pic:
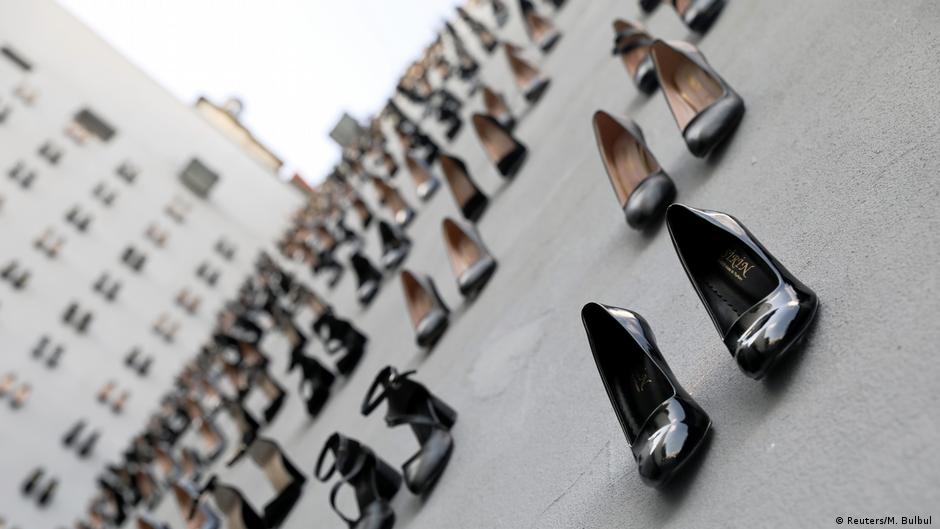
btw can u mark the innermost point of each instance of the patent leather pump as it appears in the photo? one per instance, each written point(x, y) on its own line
point(235, 508)
point(471, 262)
point(706, 109)
point(642, 187)
point(426, 309)
point(373, 480)
point(505, 151)
point(698, 15)
point(760, 310)
point(528, 78)
point(287, 481)
point(395, 245)
point(368, 277)
point(391, 198)
point(496, 106)
point(663, 424)
point(315, 383)
point(471, 201)
point(430, 419)
point(540, 30)
point(632, 44)
point(426, 184)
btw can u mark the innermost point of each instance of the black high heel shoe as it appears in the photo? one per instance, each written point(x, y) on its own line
point(389, 197)
point(632, 43)
point(528, 78)
point(288, 482)
point(706, 109)
point(471, 201)
point(540, 30)
point(341, 336)
point(504, 150)
point(426, 184)
point(643, 188)
point(663, 424)
point(236, 509)
point(496, 106)
point(430, 419)
point(315, 383)
point(759, 308)
point(698, 15)
point(488, 40)
point(247, 425)
point(395, 246)
point(368, 276)
point(471, 262)
point(374, 481)
point(426, 309)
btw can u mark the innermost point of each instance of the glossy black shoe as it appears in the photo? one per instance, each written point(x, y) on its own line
point(426, 184)
point(426, 309)
point(488, 40)
point(471, 262)
point(632, 44)
point(287, 481)
point(759, 308)
point(395, 245)
point(662, 423)
point(198, 514)
point(642, 187)
point(698, 15)
point(430, 419)
point(504, 150)
point(231, 503)
point(373, 480)
point(540, 30)
point(648, 6)
point(471, 201)
point(706, 109)
point(368, 277)
point(315, 383)
point(528, 78)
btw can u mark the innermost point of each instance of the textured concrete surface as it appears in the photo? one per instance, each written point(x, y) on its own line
point(834, 168)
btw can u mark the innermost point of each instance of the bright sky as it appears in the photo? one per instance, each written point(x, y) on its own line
point(296, 64)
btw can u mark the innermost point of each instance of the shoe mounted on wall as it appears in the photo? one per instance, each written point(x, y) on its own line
point(642, 187)
point(632, 44)
point(759, 308)
point(663, 425)
point(706, 109)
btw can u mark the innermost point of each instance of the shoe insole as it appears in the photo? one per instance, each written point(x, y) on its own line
point(733, 279)
point(690, 90)
point(633, 58)
point(418, 300)
point(497, 143)
point(630, 164)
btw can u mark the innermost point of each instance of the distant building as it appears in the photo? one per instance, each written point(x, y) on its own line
point(116, 200)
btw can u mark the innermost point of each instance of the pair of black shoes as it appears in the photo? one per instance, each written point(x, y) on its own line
point(375, 481)
point(760, 310)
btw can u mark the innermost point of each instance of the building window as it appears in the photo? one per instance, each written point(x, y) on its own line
point(198, 178)
point(87, 124)
point(16, 58)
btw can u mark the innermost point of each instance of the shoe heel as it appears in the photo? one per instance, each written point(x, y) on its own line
point(387, 479)
point(445, 413)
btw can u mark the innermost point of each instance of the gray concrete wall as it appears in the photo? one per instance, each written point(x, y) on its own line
point(75, 69)
point(834, 168)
